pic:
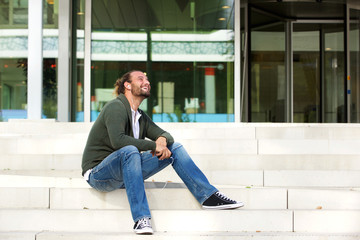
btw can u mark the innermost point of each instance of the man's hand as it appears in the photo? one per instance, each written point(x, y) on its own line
point(161, 151)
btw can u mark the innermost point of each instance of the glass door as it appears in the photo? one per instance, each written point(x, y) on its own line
point(334, 106)
point(318, 68)
point(298, 62)
point(306, 73)
point(267, 74)
point(354, 41)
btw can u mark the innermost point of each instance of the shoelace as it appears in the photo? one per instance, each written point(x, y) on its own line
point(222, 196)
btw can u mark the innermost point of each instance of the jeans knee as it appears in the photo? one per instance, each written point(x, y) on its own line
point(129, 149)
point(175, 146)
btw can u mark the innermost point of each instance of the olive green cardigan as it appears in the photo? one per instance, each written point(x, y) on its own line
point(112, 130)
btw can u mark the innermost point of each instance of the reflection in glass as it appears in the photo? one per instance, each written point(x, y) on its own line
point(186, 49)
point(13, 59)
point(77, 110)
point(268, 81)
point(334, 95)
point(306, 83)
point(12, 88)
point(50, 54)
point(354, 64)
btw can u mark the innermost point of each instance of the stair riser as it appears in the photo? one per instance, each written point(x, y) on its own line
point(75, 143)
point(174, 236)
point(121, 221)
point(246, 220)
point(168, 198)
point(204, 161)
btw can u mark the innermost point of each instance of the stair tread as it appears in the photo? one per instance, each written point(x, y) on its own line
point(176, 235)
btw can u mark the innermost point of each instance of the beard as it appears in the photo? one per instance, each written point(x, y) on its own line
point(140, 92)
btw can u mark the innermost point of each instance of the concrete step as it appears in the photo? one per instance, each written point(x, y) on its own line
point(200, 130)
point(40, 161)
point(346, 199)
point(43, 144)
point(43, 126)
point(307, 221)
point(253, 198)
point(311, 178)
point(175, 236)
point(75, 143)
point(163, 220)
point(249, 178)
point(309, 146)
point(168, 198)
point(163, 196)
point(50, 137)
point(207, 161)
point(23, 181)
point(158, 198)
point(20, 235)
point(73, 178)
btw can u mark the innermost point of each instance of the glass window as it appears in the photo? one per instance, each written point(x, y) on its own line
point(77, 113)
point(354, 64)
point(244, 62)
point(50, 55)
point(334, 63)
point(306, 83)
point(186, 48)
point(13, 59)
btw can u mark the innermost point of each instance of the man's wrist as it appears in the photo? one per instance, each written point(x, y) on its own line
point(161, 140)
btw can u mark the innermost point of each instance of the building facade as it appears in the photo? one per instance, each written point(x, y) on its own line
point(294, 61)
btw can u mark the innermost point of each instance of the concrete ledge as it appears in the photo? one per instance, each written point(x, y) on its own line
point(73, 178)
point(335, 199)
point(298, 178)
point(18, 235)
point(24, 198)
point(195, 236)
point(15, 181)
point(41, 161)
point(162, 199)
point(276, 146)
point(121, 221)
point(226, 177)
point(204, 161)
point(329, 221)
point(233, 146)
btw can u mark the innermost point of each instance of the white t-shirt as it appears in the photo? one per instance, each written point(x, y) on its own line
point(135, 123)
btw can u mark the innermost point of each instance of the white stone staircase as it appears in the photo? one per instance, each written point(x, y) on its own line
point(298, 181)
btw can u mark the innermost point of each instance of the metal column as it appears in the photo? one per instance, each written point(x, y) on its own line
point(87, 63)
point(64, 61)
point(237, 64)
point(35, 60)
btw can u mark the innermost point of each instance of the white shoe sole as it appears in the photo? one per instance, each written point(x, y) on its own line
point(227, 206)
point(144, 231)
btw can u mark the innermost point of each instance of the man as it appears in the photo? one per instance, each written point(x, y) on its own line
point(118, 156)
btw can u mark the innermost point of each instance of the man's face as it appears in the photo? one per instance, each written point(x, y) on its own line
point(140, 85)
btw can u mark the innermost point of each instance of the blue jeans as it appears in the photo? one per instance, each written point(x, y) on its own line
point(127, 168)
